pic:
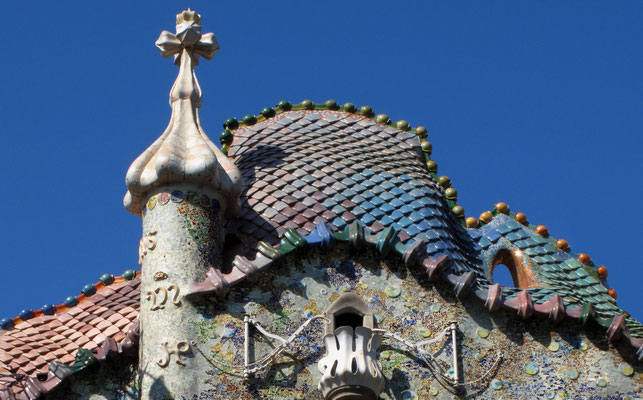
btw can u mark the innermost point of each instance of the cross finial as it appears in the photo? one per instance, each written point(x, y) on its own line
point(186, 46)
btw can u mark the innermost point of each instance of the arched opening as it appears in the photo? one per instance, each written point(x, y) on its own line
point(502, 275)
point(508, 270)
point(348, 310)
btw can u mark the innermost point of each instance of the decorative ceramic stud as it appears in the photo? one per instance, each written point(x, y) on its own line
point(486, 217)
point(521, 218)
point(502, 208)
point(542, 231)
point(562, 244)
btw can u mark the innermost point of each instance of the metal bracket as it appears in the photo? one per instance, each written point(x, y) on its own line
point(250, 367)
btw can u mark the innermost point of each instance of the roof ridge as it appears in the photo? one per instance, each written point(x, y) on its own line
point(386, 242)
point(444, 182)
point(71, 301)
point(596, 271)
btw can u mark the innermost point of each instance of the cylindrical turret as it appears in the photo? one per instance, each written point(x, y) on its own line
point(183, 187)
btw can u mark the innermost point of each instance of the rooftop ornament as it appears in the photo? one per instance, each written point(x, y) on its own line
point(183, 155)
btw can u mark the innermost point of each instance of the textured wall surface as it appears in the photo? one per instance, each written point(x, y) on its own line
point(538, 358)
point(184, 236)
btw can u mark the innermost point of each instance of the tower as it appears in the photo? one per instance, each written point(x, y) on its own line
point(183, 187)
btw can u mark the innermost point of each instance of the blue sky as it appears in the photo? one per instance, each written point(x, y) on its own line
point(536, 104)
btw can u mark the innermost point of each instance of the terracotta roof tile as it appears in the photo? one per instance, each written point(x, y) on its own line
point(32, 345)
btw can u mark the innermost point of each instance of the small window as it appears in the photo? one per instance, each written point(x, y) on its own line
point(508, 270)
point(349, 319)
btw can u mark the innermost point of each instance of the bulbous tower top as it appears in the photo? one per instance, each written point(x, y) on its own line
point(183, 156)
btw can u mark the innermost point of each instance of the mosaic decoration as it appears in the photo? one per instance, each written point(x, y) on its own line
point(305, 283)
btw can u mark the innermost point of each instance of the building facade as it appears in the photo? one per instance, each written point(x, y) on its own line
point(318, 254)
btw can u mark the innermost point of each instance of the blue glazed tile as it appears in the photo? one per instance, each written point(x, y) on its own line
point(338, 209)
point(404, 222)
point(338, 198)
point(406, 187)
point(387, 196)
point(377, 201)
point(396, 191)
point(348, 182)
point(412, 230)
point(359, 188)
point(522, 234)
point(434, 223)
point(511, 236)
point(521, 244)
point(503, 229)
point(377, 213)
point(358, 199)
point(416, 193)
point(387, 185)
point(339, 223)
point(367, 205)
point(484, 242)
point(428, 201)
point(432, 235)
point(427, 212)
point(405, 209)
point(396, 215)
point(539, 239)
point(474, 234)
point(415, 216)
point(416, 205)
point(386, 220)
point(423, 226)
point(513, 225)
point(440, 245)
point(397, 203)
point(328, 203)
point(530, 242)
point(367, 219)
point(387, 208)
point(349, 193)
point(358, 211)
point(368, 184)
point(530, 252)
point(431, 248)
point(493, 235)
point(407, 198)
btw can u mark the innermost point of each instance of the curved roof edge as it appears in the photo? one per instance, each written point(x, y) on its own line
point(71, 301)
point(387, 242)
point(232, 124)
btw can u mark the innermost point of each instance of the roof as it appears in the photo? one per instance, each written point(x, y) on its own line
point(316, 175)
point(35, 347)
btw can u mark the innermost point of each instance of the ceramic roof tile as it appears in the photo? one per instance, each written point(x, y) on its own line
point(378, 176)
point(30, 346)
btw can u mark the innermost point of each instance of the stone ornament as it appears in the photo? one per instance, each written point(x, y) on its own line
point(181, 347)
point(148, 242)
point(183, 154)
point(351, 366)
point(151, 296)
